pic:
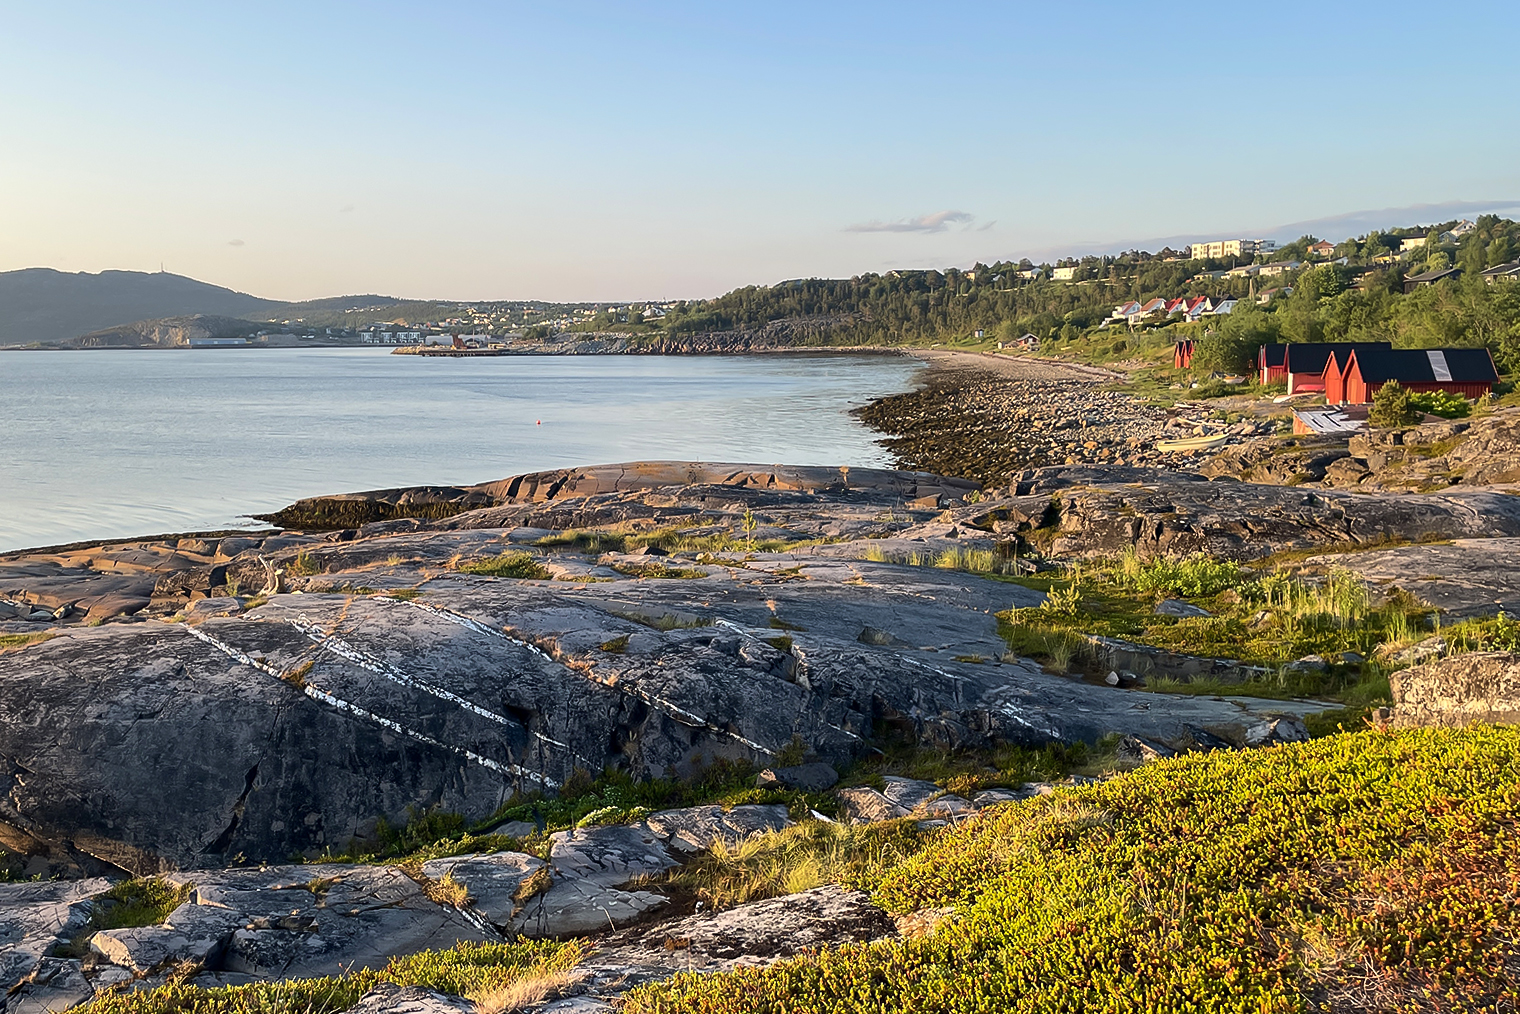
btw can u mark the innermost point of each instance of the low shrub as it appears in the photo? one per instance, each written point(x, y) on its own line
point(522, 566)
point(1363, 871)
point(1442, 403)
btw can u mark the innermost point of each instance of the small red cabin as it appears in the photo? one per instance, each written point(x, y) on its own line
point(1182, 354)
point(1468, 372)
point(1305, 363)
point(1269, 363)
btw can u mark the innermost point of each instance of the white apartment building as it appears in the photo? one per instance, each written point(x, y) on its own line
point(1221, 248)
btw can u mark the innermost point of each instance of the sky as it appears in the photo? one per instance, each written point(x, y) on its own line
point(619, 151)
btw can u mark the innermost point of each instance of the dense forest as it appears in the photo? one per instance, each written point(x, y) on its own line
point(1360, 299)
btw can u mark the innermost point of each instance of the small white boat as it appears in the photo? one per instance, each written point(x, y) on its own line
point(1191, 444)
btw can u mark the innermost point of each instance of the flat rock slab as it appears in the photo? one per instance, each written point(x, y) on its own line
point(694, 829)
point(388, 998)
point(611, 855)
point(36, 915)
point(1467, 577)
point(752, 935)
point(292, 921)
point(495, 882)
point(292, 728)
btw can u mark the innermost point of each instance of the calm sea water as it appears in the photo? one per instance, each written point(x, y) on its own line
point(107, 444)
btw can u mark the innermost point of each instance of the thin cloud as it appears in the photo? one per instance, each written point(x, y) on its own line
point(234, 242)
point(937, 221)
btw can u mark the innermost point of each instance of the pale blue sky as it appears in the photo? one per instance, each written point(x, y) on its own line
point(618, 151)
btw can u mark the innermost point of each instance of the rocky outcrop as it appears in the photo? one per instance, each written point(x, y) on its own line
point(1103, 511)
point(383, 679)
point(1462, 578)
point(1458, 690)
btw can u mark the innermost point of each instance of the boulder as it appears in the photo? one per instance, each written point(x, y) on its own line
point(1276, 730)
point(389, 998)
point(760, 932)
point(910, 793)
point(694, 829)
point(55, 984)
point(1477, 687)
point(611, 855)
point(1177, 607)
point(863, 805)
point(997, 797)
point(573, 906)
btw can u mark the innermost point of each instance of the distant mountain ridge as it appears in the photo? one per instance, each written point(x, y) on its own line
point(47, 305)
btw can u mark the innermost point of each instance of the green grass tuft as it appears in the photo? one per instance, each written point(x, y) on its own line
point(518, 565)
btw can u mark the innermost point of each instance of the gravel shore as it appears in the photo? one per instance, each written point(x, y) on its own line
point(987, 417)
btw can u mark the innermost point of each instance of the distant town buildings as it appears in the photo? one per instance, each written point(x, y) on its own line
point(1222, 248)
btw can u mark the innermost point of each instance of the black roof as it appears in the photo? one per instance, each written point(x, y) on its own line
point(1311, 357)
point(1272, 355)
point(1415, 366)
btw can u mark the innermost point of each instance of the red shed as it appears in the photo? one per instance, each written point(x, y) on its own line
point(1182, 354)
point(1304, 363)
point(1269, 362)
point(1335, 378)
point(1468, 372)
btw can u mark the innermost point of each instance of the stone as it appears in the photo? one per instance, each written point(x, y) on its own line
point(1415, 654)
point(515, 829)
point(694, 829)
point(863, 805)
point(871, 635)
point(1458, 690)
point(1309, 663)
point(35, 916)
point(814, 777)
point(222, 606)
point(1276, 730)
point(1112, 679)
point(574, 906)
point(389, 998)
point(495, 882)
point(611, 855)
point(55, 984)
point(996, 797)
point(1177, 607)
point(910, 793)
point(949, 806)
point(1134, 750)
point(752, 935)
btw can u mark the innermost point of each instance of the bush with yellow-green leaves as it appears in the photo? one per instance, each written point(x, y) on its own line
point(1362, 871)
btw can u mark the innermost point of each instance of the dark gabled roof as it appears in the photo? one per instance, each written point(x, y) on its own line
point(1419, 366)
point(1311, 357)
point(1271, 356)
point(1507, 268)
point(1433, 275)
